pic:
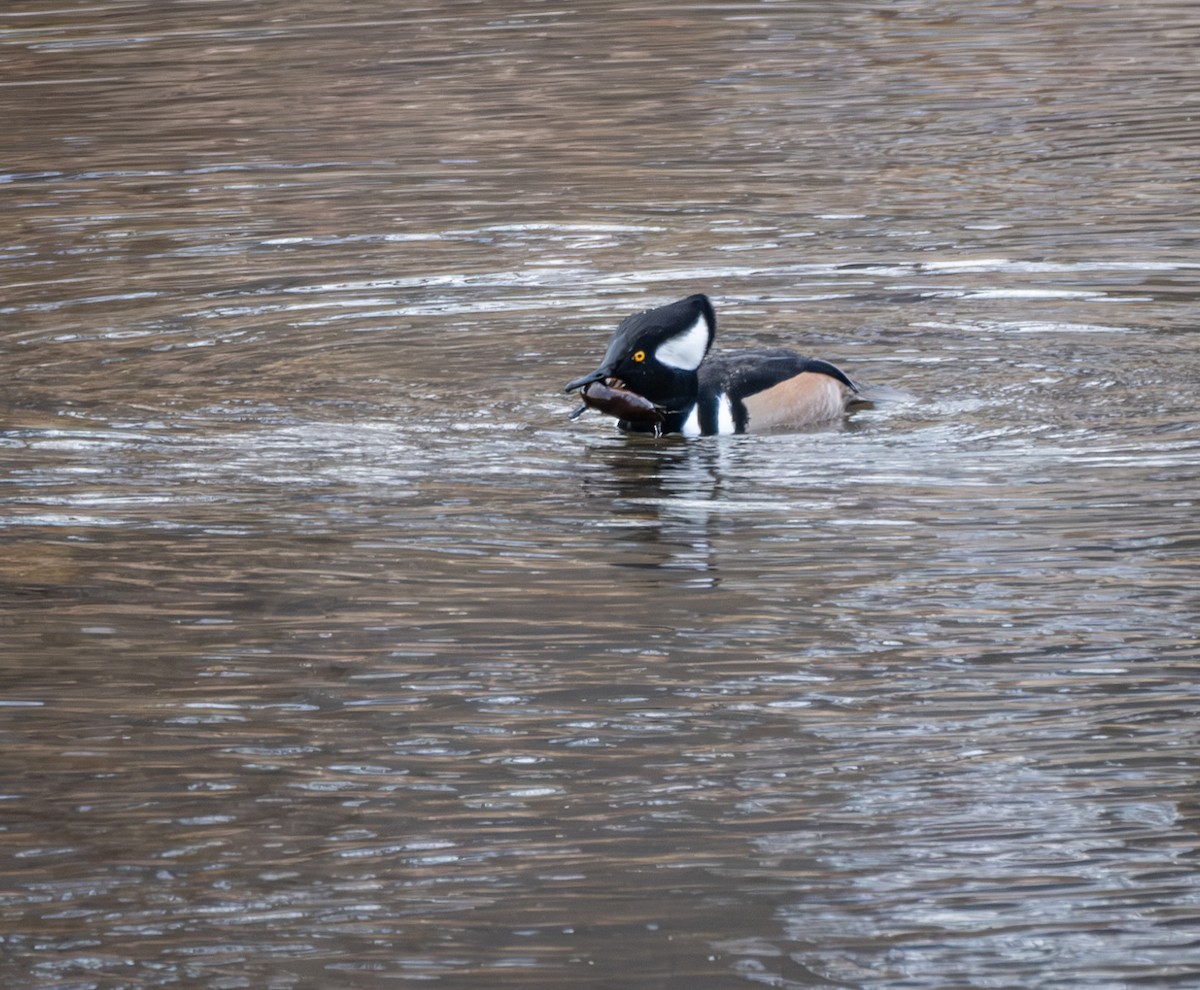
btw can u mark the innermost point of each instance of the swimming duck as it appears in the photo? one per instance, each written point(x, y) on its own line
point(658, 376)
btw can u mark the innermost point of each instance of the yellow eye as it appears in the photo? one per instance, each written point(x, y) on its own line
point(639, 356)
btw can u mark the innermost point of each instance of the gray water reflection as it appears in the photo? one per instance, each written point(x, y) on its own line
point(334, 655)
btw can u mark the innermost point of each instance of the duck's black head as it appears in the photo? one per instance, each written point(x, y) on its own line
point(656, 353)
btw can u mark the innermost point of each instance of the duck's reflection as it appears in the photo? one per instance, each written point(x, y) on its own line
point(664, 498)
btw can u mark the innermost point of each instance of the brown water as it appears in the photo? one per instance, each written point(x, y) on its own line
point(333, 655)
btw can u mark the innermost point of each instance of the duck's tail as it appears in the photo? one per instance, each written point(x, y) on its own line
point(871, 395)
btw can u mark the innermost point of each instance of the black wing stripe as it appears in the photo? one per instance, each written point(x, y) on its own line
point(744, 373)
point(832, 370)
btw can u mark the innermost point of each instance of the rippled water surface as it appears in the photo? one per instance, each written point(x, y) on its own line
point(332, 654)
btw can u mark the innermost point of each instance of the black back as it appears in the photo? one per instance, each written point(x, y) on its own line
point(742, 373)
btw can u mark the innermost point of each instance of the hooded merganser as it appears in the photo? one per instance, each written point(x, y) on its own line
point(658, 377)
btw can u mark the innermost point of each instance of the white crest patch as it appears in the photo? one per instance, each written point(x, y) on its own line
point(686, 349)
